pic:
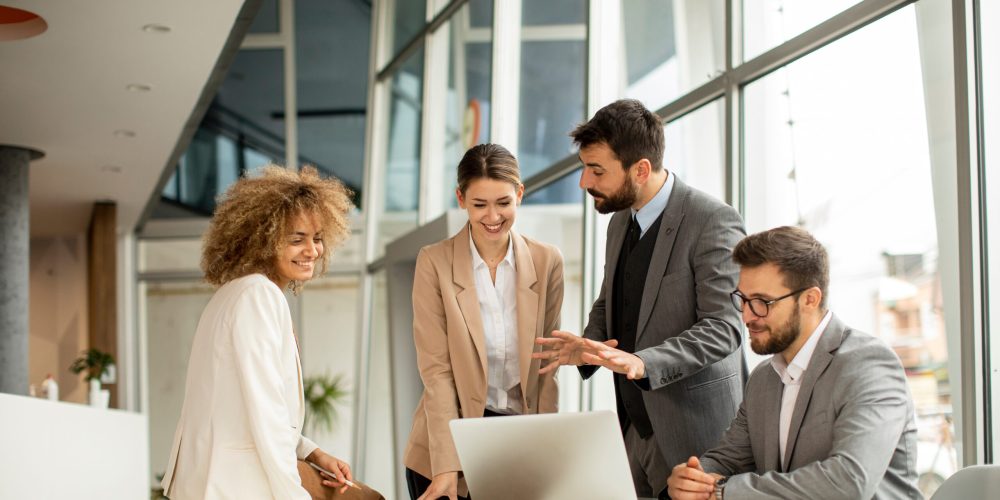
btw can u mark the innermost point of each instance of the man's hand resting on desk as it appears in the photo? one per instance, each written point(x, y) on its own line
point(688, 481)
point(444, 484)
point(565, 348)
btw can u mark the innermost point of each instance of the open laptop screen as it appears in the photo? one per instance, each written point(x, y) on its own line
point(542, 457)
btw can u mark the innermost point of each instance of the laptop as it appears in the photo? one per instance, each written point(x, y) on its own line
point(544, 457)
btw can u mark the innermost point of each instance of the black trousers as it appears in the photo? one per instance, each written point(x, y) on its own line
point(417, 484)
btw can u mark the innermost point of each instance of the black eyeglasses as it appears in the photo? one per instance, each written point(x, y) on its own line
point(759, 307)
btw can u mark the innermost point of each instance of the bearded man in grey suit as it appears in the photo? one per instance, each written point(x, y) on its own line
point(662, 321)
point(829, 416)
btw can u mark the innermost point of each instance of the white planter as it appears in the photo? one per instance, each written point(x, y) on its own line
point(99, 398)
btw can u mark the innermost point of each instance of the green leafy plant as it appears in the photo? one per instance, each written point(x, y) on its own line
point(323, 393)
point(94, 361)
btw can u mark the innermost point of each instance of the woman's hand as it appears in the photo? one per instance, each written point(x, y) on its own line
point(444, 484)
point(338, 467)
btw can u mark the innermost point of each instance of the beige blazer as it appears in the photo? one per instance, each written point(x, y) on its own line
point(239, 435)
point(450, 343)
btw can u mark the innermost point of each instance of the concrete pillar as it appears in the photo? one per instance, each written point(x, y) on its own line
point(14, 237)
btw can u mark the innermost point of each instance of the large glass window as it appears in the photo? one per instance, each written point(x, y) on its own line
point(470, 72)
point(332, 85)
point(668, 48)
point(560, 223)
point(693, 149)
point(553, 63)
point(838, 143)
point(552, 12)
point(238, 133)
point(328, 341)
point(266, 20)
point(402, 169)
point(769, 23)
point(989, 32)
point(408, 17)
point(380, 467)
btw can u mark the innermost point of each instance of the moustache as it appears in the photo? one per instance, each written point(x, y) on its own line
point(595, 193)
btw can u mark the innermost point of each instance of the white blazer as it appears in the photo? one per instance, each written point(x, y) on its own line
point(239, 435)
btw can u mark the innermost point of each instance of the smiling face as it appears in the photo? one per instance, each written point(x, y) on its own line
point(782, 326)
point(300, 251)
point(492, 207)
point(606, 180)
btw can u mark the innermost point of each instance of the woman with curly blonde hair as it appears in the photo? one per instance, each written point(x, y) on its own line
point(239, 434)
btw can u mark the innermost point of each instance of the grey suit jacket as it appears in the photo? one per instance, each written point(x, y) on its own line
point(688, 332)
point(852, 433)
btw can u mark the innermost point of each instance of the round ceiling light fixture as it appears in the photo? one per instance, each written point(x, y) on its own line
point(124, 133)
point(111, 169)
point(138, 87)
point(17, 24)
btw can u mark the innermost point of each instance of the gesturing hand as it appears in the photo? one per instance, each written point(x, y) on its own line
point(565, 348)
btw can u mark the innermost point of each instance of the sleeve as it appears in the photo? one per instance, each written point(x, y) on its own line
point(733, 455)
point(256, 338)
point(430, 336)
point(548, 398)
point(716, 333)
point(874, 398)
point(305, 448)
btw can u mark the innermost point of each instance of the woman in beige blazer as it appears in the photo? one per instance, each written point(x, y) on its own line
point(239, 434)
point(480, 299)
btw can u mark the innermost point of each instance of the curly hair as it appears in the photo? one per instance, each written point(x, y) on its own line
point(252, 220)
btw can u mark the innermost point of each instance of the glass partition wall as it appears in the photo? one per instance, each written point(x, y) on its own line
point(838, 118)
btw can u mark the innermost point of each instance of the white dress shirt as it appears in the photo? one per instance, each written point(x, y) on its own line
point(498, 309)
point(791, 376)
point(649, 212)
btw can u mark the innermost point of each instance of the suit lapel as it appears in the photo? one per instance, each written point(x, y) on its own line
point(468, 301)
point(616, 237)
point(673, 215)
point(528, 317)
point(831, 338)
point(772, 417)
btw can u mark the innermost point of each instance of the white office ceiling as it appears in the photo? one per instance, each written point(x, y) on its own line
point(67, 93)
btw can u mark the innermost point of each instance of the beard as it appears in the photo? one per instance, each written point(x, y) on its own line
point(779, 339)
point(623, 198)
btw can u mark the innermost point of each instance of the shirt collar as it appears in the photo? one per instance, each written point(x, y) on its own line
point(647, 215)
point(477, 260)
point(791, 373)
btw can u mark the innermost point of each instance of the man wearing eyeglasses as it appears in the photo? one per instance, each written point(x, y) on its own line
point(829, 415)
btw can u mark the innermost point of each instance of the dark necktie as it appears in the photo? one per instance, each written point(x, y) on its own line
point(633, 233)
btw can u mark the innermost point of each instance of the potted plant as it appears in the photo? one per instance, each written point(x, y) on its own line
point(322, 395)
point(96, 363)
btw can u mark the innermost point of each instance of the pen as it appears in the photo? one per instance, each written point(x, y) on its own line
point(330, 474)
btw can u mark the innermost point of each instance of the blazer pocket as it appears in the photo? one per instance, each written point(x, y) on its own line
point(710, 383)
point(670, 278)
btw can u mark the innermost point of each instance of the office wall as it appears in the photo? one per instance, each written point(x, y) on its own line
point(58, 312)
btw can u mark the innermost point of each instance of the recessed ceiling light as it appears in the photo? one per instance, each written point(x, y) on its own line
point(124, 133)
point(138, 87)
point(156, 28)
point(111, 169)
